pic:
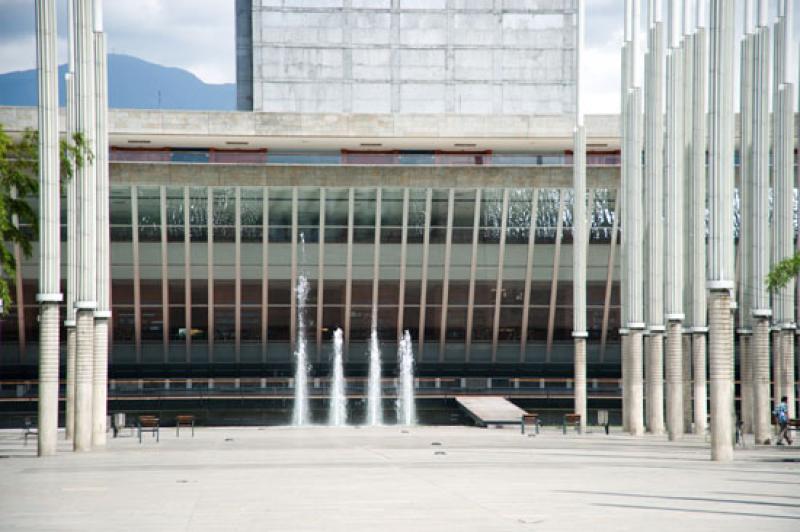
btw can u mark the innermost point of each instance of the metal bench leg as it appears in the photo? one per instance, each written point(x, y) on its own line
point(140, 434)
point(192, 429)
point(158, 435)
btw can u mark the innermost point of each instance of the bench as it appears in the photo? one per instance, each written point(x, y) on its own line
point(572, 419)
point(530, 420)
point(185, 420)
point(149, 424)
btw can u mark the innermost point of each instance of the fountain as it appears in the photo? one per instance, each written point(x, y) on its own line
point(301, 415)
point(374, 406)
point(338, 405)
point(406, 411)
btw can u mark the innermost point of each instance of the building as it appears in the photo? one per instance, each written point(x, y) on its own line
point(431, 194)
point(407, 56)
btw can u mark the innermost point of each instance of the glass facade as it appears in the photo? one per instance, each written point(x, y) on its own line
point(477, 275)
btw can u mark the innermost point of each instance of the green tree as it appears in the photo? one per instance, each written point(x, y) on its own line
point(783, 272)
point(19, 180)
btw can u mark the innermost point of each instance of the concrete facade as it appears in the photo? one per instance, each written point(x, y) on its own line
point(409, 56)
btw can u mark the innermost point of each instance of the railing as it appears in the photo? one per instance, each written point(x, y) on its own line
point(426, 387)
point(250, 157)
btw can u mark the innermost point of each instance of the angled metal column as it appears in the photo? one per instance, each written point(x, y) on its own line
point(321, 271)
point(49, 295)
point(187, 269)
point(448, 245)
point(720, 264)
point(759, 194)
point(102, 315)
point(526, 298)
point(86, 298)
point(697, 229)
point(265, 273)
point(654, 197)
point(426, 252)
point(579, 230)
point(551, 313)
point(72, 221)
point(348, 284)
point(162, 201)
point(294, 272)
point(673, 363)
point(473, 269)
point(401, 295)
point(612, 253)
point(498, 288)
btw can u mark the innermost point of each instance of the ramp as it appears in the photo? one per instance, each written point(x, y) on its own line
point(491, 410)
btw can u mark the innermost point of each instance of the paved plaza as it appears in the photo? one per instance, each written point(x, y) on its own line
point(388, 478)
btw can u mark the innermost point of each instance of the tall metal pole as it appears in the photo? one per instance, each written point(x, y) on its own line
point(759, 193)
point(745, 330)
point(49, 295)
point(72, 220)
point(86, 299)
point(580, 229)
point(635, 253)
point(697, 231)
point(654, 191)
point(675, 153)
point(720, 264)
point(102, 315)
point(622, 203)
point(783, 210)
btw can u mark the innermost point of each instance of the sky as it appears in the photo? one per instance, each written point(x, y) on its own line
point(198, 35)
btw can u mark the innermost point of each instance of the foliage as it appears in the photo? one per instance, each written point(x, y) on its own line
point(783, 272)
point(19, 171)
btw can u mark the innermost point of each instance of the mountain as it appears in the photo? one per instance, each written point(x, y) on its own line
point(133, 84)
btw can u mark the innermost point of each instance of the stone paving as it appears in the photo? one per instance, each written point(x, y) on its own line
point(388, 478)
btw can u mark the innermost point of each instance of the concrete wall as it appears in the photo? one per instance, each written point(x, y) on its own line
point(414, 56)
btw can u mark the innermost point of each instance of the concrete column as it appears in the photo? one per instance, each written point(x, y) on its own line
point(762, 418)
point(700, 378)
point(102, 315)
point(720, 270)
point(788, 369)
point(777, 364)
point(654, 197)
point(746, 380)
point(49, 294)
point(86, 300)
point(625, 363)
point(673, 374)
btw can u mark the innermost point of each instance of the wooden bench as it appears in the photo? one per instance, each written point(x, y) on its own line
point(149, 424)
point(530, 420)
point(572, 419)
point(185, 420)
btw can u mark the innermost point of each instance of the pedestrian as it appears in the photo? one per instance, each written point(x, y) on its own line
point(782, 416)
